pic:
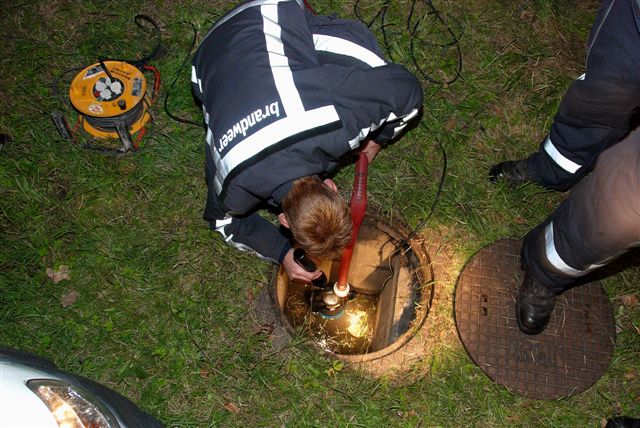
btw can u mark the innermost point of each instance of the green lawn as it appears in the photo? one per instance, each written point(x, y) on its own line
point(163, 310)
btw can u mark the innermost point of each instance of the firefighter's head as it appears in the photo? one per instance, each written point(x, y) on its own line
point(317, 216)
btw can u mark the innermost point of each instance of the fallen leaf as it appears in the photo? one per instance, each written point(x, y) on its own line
point(630, 375)
point(126, 169)
point(630, 300)
point(450, 124)
point(69, 299)
point(58, 275)
point(232, 408)
point(526, 15)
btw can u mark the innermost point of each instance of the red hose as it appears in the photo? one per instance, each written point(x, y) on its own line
point(306, 3)
point(358, 206)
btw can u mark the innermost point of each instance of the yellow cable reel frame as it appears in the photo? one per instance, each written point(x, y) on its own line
point(101, 97)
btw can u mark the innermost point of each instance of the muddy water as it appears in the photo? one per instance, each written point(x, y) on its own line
point(348, 332)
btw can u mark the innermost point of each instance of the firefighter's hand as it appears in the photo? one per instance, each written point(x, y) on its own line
point(296, 272)
point(371, 149)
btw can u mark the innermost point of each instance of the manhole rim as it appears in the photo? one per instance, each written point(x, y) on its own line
point(423, 270)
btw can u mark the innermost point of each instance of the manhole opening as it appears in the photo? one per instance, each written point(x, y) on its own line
point(394, 287)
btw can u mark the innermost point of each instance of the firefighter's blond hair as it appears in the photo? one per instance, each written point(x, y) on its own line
point(318, 218)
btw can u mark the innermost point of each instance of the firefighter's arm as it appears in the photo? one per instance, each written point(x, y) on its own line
point(254, 234)
point(371, 149)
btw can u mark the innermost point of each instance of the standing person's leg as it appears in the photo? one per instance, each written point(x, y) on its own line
point(597, 109)
point(597, 222)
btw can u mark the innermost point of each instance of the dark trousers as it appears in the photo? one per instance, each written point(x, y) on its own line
point(598, 221)
point(599, 107)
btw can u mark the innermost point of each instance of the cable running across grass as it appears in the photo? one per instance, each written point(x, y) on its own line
point(175, 79)
point(415, 26)
point(415, 29)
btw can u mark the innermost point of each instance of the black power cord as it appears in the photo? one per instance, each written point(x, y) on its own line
point(436, 199)
point(138, 19)
point(413, 31)
point(175, 79)
point(414, 28)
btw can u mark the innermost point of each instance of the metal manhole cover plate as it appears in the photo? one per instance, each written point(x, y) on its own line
point(569, 356)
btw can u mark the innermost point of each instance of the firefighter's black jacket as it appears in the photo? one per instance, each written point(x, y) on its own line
point(286, 94)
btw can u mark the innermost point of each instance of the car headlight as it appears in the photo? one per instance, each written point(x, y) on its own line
point(72, 406)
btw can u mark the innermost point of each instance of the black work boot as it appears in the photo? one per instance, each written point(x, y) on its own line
point(534, 305)
point(513, 172)
point(623, 422)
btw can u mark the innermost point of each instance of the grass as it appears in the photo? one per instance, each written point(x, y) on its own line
point(163, 310)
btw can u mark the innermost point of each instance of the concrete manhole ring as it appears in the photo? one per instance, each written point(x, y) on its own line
point(395, 277)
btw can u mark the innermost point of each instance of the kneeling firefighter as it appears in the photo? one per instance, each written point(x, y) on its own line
point(287, 96)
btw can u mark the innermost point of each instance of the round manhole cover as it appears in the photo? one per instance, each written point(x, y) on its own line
point(569, 356)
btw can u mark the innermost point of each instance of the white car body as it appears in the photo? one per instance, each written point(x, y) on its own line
point(34, 393)
point(19, 406)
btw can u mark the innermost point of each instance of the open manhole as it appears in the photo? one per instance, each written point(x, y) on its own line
point(393, 280)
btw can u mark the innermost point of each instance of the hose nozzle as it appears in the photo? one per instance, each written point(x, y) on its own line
point(341, 290)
